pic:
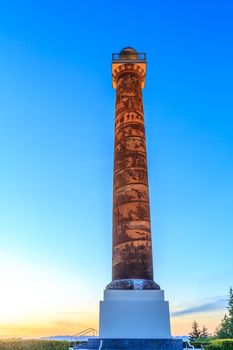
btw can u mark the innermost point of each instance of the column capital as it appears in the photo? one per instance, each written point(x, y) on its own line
point(128, 61)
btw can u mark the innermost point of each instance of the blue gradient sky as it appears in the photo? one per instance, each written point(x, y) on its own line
point(56, 157)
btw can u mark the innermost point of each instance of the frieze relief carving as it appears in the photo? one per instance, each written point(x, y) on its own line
point(124, 118)
point(132, 254)
point(131, 193)
point(131, 231)
point(129, 94)
point(131, 144)
point(137, 251)
point(129, 160)
point(133, 211)
point(131, 216)
point(129, 130)
point(130, 176)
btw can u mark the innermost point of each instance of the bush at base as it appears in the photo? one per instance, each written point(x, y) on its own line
point(199, 344)
point(220, 344)
point(33, 345)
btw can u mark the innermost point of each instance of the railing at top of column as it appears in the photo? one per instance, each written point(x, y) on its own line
point(124, 57)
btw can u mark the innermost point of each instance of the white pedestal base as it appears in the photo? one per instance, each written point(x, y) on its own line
point(134, 314)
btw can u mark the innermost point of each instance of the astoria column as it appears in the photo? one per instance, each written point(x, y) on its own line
point(133, 313)
point(132, 264)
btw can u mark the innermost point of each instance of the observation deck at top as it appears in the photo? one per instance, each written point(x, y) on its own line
point(128, 55)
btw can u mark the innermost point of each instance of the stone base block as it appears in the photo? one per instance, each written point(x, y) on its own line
point(134, 344)
point(134, 314)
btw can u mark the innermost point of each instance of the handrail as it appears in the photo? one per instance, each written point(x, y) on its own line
point(85, 331)
point(131, 56)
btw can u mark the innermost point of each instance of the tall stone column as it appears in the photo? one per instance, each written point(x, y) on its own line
point(132, 265)
point(133, 313)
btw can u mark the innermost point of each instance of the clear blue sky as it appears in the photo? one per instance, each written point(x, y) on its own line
point(56, 156)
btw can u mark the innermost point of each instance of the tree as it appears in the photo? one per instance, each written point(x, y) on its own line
point(225, 330)
point(230, 303)
point(196, 332)
point(204, 332)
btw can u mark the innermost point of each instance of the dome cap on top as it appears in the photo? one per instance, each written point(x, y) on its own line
point(128, 53)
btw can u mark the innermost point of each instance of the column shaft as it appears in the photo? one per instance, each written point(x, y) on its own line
point(132, 250)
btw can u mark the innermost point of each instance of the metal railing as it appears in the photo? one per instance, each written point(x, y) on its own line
point(86, 331)
point(82, 333)
point(131, 56)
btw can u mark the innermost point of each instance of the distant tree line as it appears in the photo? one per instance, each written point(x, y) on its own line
point(224, 330)
point(222, 339)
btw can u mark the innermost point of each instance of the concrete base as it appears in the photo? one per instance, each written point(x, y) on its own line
point(134, 314)
point(133, 344)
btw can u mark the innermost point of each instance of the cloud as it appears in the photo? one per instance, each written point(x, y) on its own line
point(213, 304)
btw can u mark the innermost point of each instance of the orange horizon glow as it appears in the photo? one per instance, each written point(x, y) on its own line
point(72, 323)
point(50, 305)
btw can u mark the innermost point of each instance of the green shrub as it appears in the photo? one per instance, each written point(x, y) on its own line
point(19, 344)
point(197, 344)
point(220, 344)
